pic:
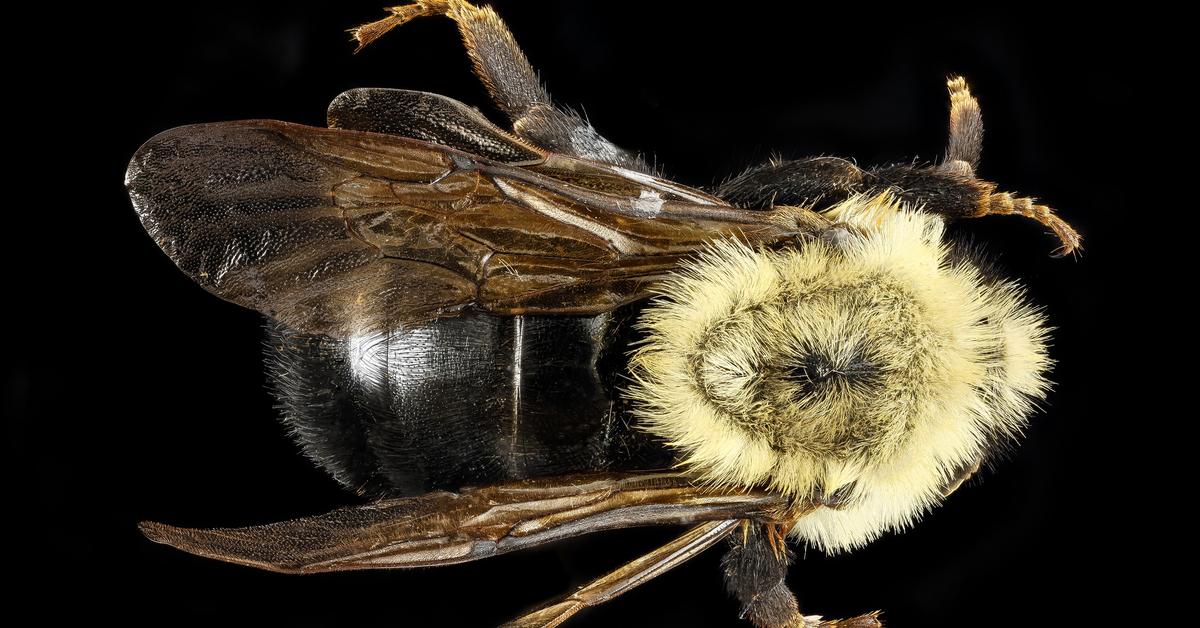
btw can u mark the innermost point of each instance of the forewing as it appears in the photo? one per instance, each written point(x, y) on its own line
point(250, 211)
point(431, 118)
point(448, 528)
point(340, 232)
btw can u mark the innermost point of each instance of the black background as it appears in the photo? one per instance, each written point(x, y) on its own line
point(132, 394)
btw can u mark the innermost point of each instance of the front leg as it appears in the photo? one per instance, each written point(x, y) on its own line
point(950, 188)
point(756, 574)
point(817, 183)
point(510, 80)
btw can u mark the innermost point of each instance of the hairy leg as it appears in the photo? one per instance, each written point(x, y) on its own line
point(510, 80)
point(755, 573)
point(950, 189)
point(816, 182)
point(966, 129)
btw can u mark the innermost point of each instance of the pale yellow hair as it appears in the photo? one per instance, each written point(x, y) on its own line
point(935, 361)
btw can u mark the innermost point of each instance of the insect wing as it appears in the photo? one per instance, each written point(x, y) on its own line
point(342, 232)
point(253, 212)
point(431, 118)
point(447, 528)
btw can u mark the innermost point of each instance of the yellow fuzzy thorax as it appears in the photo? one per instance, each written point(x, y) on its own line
point(872, 367)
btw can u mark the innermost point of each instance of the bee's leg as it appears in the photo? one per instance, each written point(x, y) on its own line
point(821, 182)
point(951, 193)
point(755, 573)
point(972, 197)
point(510, 80)
point(630, 575)
point(966, 129)
point(817, 183)
point(950, 188)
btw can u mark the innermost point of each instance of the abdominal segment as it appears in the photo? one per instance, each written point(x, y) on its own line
point(473, 399)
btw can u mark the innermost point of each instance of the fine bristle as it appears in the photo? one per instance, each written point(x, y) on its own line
point(866, 372)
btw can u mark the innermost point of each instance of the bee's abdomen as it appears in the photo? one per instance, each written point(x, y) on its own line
point(467, 400)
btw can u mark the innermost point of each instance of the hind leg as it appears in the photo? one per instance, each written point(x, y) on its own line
point(510, 80)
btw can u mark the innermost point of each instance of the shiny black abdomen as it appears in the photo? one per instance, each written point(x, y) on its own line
point(473, 399)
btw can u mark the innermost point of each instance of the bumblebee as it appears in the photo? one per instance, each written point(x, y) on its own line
point(798, 353)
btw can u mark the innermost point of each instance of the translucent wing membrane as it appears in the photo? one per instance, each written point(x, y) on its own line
point(340, 232)
point(429, 117)
point(250, 211)
point(447, 528)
